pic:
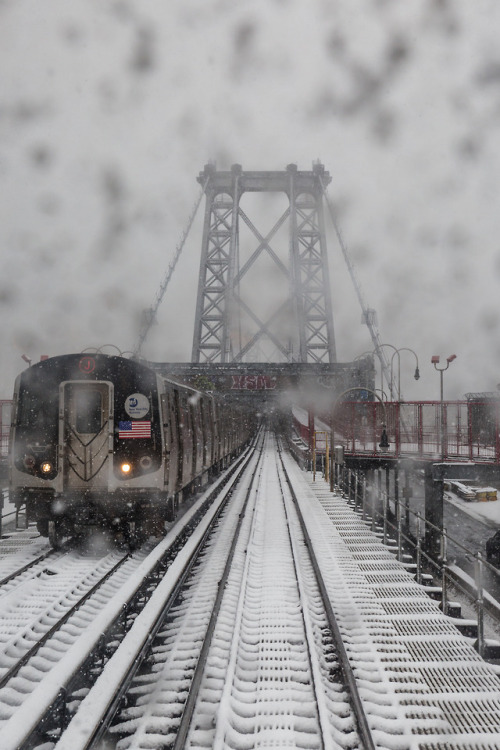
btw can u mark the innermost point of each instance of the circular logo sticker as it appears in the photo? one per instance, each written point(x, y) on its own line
point(137, 405)
point(87, 365)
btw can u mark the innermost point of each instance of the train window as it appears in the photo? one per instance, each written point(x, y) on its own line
point(88, 411)
point(37, 410)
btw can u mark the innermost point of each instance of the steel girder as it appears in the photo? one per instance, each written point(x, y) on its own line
point(220, 304)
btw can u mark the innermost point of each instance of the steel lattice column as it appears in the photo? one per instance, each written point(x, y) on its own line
point(309, 262)
point(221, 302)
point(211, 341)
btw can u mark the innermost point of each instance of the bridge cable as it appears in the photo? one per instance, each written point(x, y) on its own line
point(367, 318)
point(150, 314)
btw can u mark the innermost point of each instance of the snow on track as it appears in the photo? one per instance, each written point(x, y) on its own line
point(160, 695)
point(271, 671)
point(423, 683)
point(19, 548)
point(275, 691)
point(93, 708)
point(35, 606)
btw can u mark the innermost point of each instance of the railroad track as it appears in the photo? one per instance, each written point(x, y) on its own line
point(281, 620)
point(38, 608)
point(32, 568)
point(19, 550)
point(237, 654)
point(39, 694)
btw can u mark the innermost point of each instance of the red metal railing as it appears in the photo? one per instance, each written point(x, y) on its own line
point(471, 430)
point(452, 431)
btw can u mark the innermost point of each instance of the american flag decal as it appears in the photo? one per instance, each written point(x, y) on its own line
point(134, 429)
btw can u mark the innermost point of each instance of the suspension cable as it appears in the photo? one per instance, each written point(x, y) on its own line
point(375, 336)
point(150, 314)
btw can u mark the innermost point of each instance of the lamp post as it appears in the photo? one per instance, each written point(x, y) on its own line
point(417, 371)
point(377, 351)
point(391, 385)
point(395, 352)
point(382, 393)
point(441, 370)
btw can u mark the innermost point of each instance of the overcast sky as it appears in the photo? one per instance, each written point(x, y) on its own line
point(110, 109)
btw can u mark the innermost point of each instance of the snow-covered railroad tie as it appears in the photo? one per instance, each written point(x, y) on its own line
point(273, 677)
point(42, 616)
point(270, 672)
point(38, 703)
point(161, 686)
point(423, 684)
point(21, 550)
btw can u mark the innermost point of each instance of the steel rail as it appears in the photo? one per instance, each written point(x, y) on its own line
point(360, 717)
point(309, 640)
point(14, 669)
point(98, 733)
point(189, 706)
point(52, 717)
point(28, 565)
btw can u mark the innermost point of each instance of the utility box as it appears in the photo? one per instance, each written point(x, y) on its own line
point(339, 454)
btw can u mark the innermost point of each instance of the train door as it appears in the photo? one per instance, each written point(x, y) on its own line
point(173, 451)
point(217, 452)
point(195, 414)
point(207, 432)
point(186, 438)
point(86, 434)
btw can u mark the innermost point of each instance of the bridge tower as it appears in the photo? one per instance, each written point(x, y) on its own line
point(264, 294)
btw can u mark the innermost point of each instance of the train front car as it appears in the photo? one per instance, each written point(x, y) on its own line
point(86, 446)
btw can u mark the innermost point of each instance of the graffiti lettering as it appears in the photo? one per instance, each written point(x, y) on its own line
point(253, 383)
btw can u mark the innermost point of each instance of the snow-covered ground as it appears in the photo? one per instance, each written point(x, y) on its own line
point(482, 511)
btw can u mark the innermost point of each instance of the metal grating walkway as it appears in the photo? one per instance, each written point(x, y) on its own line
point(437, 693)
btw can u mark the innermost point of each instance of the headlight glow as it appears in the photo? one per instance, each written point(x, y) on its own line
point(125, 467)
point(46, 467)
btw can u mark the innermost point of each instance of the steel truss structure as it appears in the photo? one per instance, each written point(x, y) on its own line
point(221, 302)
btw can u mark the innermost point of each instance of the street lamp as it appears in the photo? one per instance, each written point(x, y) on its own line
point(417, 371)
point(378, 351)
point(441, 370)
point(379, 355)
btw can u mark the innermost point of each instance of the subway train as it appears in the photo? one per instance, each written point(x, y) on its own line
point(105, 441)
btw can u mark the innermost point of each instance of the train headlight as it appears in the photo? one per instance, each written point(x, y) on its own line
point(46, 467)
point(126, 468)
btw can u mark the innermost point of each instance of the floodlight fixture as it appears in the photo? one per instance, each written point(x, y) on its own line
point(441, 370)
